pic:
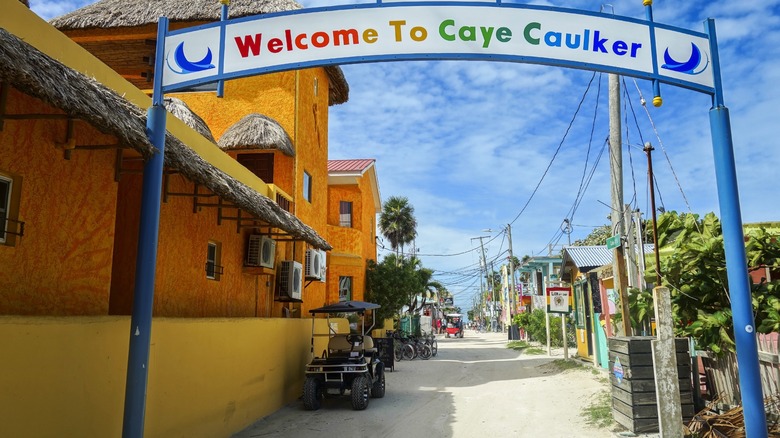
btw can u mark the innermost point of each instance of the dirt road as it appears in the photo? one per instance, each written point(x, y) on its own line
point(475, 387)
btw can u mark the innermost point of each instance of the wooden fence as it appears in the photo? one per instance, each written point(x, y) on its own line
point(722, 380)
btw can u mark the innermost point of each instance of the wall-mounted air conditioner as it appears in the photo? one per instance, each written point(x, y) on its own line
point(261, 251)
point(315, 265)
point(290, 280)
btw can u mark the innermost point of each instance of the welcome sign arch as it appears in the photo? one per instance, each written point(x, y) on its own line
point(248, 46)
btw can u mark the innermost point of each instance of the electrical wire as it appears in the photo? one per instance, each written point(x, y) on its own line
point(565, 135)
point(663, 148)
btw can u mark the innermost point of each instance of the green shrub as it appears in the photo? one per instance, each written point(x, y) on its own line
point(534, 326)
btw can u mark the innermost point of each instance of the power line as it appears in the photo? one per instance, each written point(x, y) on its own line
point(560, 145)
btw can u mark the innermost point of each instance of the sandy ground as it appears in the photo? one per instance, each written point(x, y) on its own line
point(475, 387)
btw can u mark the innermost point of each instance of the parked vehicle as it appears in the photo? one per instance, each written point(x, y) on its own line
point(454, 325)
point(350, 363)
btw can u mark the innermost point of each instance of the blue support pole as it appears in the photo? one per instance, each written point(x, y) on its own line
point(736, 259)
point(146, 259)
point(223, 18)
point(657, 101)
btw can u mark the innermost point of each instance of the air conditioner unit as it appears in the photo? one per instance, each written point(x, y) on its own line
point(315, 264)
point(261, 251)
point(290, 279)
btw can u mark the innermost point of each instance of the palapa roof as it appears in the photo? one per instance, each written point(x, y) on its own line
point(178, 108)
point(107, 14)
point(257, 131)
point(36, 74)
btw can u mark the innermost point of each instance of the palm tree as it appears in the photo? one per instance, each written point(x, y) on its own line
point(397, 222)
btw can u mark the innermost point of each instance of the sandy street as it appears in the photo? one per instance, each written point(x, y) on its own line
point(475, 387)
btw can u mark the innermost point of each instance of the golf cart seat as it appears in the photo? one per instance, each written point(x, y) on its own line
point(339, 345)
point(368, 344)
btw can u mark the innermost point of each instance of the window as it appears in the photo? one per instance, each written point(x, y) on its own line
point(345, 214)
point(261, 165)
point(345, 288)
point(213, 256)
point(5, 205)
point(10, 227)
point(306, 186)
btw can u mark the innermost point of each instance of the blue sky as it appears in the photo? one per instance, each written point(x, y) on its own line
point(468, 142)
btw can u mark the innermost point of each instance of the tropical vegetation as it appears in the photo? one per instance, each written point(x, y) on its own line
point(397, 223)
point(693, 267)
point(397, 281)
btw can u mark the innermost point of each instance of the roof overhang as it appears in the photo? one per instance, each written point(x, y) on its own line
point(345, 178)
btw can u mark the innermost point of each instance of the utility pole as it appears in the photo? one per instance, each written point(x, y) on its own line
point(649, 151)
point(633, 279)
point(513, 297)
point(641, 243)
point(483, 263)
point(616, 171)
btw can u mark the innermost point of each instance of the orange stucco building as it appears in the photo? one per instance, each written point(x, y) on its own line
point(353, 204)
point(295, 102)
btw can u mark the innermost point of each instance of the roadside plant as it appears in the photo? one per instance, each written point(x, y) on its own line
point(693, 267)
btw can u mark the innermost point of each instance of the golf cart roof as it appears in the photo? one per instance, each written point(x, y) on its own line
point(346, 307)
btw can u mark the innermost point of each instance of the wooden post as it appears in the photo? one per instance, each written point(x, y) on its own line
point(667, 385)
point(565, 344)
point(547, 327)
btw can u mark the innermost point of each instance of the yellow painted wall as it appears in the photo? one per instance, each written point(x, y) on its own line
point(62, 264)
point(207, 377)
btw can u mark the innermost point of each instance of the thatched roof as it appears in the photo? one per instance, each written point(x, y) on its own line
point(108, 14)
point(257, 131)
point(178, 108)
point(40, 76)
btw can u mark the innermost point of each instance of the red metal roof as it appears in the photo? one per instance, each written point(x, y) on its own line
point(359, 165)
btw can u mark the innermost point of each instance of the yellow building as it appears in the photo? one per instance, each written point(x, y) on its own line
point(72, 144)
point(291, 106)
point(353, 204)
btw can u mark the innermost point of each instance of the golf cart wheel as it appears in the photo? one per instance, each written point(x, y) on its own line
point(312, 394)
point(378, 388)
point(360, 390)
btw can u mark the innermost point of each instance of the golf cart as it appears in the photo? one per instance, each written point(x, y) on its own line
point(454, 325)
point(350, 362)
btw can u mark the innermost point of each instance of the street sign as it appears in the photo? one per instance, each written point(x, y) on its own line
point(613, 242)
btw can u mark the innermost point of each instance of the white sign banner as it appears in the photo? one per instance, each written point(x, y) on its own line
point(368, 33)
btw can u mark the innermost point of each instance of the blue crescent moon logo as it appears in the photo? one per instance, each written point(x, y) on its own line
point(692, 66)
point(186, 66)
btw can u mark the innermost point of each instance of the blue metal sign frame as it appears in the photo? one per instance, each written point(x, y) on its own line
point(728, 194)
